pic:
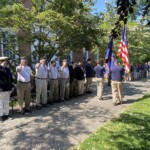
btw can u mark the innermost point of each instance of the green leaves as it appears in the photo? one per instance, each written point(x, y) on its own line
point(54, 25)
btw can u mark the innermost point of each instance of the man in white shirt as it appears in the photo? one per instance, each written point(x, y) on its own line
point(53, 74)
point(24, 85)
point(64, 81)
point(41, 82)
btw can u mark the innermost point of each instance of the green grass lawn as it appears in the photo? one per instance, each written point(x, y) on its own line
point(129, 131)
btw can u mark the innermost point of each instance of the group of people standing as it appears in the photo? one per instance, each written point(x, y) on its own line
point(139, 71)
point(66, 82)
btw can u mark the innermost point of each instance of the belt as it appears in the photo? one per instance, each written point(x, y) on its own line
point(53, 79)
point(24, 82)
point(41, 78)
point(116, 80)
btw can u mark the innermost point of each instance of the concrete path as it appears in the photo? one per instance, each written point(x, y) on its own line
point(64, 125)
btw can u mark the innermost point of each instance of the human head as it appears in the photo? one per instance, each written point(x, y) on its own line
point(116, 63)
point(64, 63)
point(43, 60)
point(89, 60)
point(53, 63)
point(100, 62)
point(24, 61)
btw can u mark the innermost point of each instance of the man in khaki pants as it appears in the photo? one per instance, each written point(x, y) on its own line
point(99, 70)
point(64, 81)
point(53, 74)
point(117, 73)
point(41, 83)
point(24, 85)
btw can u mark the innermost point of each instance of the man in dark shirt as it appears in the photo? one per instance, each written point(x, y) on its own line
point(89, 75)
point(72, 78)
point(80, 78)
point(99, 70)
point(117, 73)
point(5, 88)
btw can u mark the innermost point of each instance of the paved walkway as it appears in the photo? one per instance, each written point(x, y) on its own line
point(65, 125)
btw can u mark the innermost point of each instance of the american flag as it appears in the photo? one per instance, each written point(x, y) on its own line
point(123, 50)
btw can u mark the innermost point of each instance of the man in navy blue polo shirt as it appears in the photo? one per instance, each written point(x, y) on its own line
point(117, 73)
point(99, 70)
point(89, 75)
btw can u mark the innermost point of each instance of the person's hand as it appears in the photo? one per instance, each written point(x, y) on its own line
point(64, 64)
point(21, 63)
point(41, 61)
point(4, 64)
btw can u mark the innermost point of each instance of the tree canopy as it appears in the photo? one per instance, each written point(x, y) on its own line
point(52, 25)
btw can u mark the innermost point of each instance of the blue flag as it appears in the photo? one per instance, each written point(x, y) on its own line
point(109, 55)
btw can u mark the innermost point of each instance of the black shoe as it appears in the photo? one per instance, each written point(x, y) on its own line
point(6, 117)
point(88, 92)
point(22, 112)
point(38, 107)
point(45, 105)
point(27, 111)
point(50, 103)
point(67, 99)
point(2, 119)
point(115, 104)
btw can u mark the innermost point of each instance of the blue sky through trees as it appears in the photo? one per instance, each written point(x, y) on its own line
point(100, 5)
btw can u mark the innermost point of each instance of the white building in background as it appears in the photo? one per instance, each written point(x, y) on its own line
point(4, 49)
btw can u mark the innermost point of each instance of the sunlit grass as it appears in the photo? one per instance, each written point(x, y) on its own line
point(131, 130)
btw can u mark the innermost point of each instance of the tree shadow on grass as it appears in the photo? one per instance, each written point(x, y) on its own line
point(135, 134)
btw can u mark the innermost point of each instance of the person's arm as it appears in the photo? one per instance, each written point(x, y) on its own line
point(19, 68)
point(37, 66)
point(62, 68)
